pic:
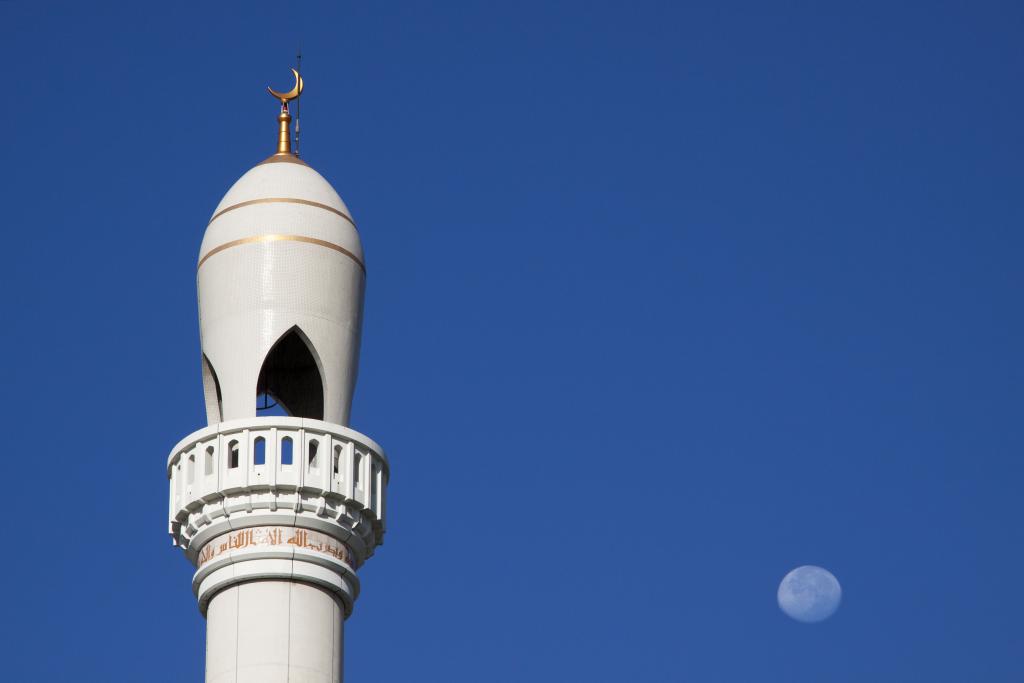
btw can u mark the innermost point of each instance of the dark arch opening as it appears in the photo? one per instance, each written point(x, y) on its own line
point(290, 377)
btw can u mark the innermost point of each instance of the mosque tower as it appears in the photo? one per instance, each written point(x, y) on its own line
point(278, 512)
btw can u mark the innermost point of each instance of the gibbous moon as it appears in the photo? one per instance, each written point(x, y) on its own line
point(809, 594)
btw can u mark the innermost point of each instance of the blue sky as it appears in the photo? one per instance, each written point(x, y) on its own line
point(664, 300)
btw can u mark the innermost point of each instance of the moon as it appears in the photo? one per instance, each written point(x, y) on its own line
point(291, 94)
point(809, 594)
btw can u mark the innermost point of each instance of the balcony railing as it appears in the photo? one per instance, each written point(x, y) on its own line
point(278, 455)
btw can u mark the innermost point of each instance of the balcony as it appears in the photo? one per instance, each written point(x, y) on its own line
point(278, 471)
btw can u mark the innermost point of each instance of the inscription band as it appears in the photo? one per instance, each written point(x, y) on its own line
point(268, 537)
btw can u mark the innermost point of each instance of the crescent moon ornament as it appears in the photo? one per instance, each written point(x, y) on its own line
point(286, 97)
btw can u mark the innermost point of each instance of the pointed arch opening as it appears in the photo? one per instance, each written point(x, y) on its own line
point(290, 379)
point(211, 391)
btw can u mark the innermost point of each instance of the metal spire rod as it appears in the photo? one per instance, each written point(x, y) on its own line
point(298, 102)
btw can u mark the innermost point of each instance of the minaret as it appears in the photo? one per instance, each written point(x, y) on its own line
point(277, 513)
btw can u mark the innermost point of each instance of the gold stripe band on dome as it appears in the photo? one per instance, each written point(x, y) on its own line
point(281, 238)
point(283, 200)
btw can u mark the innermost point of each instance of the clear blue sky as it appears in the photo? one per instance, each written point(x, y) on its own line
point(664, 300)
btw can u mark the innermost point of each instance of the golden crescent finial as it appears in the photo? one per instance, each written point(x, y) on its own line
point(287, 97)
point(284, 119)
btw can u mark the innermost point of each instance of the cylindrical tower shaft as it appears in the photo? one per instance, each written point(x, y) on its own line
point(274, 631)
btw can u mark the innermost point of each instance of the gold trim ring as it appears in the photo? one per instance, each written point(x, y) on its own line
point(281, 238)
point(282, 200)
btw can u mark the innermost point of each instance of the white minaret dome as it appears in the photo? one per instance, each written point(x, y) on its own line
point(277, 513)
point(281, 257)
point(268, 179)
